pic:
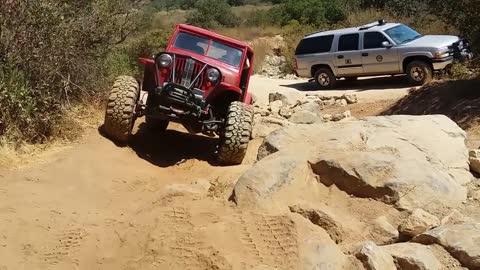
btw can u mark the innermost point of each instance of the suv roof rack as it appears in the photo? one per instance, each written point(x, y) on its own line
point(373, 24)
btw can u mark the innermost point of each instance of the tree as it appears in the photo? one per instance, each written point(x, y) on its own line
point(211, 13)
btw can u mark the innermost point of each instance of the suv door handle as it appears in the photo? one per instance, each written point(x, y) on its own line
point(340, 57)
point(364, 54)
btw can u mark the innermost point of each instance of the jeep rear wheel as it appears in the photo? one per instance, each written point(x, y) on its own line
point(325, 78)
point(419, 72)
point(236, 134)
point(156, 125)
point(120, 112)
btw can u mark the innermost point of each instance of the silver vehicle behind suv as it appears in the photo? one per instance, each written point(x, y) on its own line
point(378, 48)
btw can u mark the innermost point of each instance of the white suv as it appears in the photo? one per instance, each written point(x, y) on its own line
point(378, 48)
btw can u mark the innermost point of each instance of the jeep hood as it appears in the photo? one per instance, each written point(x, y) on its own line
point(436, 41)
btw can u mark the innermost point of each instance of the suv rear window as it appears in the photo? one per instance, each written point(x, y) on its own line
point(348, 42)
point(321, 44)
point(373, 40)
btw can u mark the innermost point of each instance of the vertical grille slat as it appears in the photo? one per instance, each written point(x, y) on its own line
point(182, 68)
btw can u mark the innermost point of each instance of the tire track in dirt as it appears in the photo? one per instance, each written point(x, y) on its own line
point(270, 240)
point(65, 246)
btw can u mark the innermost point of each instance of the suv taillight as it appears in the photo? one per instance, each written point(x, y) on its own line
point(295, 65)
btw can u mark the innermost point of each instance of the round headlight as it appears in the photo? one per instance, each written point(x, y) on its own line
point(213, 75)
point(165, 60)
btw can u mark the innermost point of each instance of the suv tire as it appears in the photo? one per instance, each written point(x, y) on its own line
point(236, 134)
point(325, 79)
point(120, 112)
point(156, 125)
point(419, 73)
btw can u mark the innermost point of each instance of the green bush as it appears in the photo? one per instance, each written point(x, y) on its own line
point(212, 13)
point(309, 12)
point(51, 56)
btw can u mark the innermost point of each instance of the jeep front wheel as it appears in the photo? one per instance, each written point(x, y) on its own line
point(236, 134)
point(419, 73)
point(120, 112)
point(325, 79)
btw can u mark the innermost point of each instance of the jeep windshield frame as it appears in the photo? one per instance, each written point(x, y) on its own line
point(208, 47)
point(402, 34)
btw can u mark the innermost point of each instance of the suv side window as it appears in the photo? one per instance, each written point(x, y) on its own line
point(321, 44)
point(373, 40)
point(348, 42)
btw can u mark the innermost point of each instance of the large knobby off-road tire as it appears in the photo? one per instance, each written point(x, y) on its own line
point(419, 73)
point(236, 135)
point(120, 112)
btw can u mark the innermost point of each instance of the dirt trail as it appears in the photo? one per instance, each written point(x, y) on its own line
point(158, 204)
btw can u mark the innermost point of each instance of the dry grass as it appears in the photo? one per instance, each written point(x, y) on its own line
point(75, 122)
point(249, 33)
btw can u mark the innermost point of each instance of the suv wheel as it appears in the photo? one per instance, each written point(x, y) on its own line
point(120, 112)
point(156, 125)
point(419, 72)
point(236, 134)
point(325, 78)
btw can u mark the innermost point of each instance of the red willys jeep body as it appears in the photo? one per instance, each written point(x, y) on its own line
point(200, 81)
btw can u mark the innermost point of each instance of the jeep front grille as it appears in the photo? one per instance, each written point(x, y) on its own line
point(187, 70)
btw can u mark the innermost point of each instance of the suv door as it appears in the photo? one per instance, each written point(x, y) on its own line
point(376, 58)
point(348, 59)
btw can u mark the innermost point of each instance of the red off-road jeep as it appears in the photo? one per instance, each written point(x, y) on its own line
point(201, 81)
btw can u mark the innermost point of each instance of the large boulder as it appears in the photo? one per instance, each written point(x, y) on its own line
point(462, 241)
point(413, 256)
point(400, 160)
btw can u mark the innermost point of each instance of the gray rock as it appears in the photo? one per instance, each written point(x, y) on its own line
point(275, 106)
point(375, 258)
point(277, 96)
point(303, 117)
point(351, 99)
point(341, 116)
point(475, 160)
point(385, 158)
point(327, 117)
point(461, 241)
point(266, 125)
point(341, 102)
point(310, 106)
point(418, 222)
point(286, 112)
point(413, 256)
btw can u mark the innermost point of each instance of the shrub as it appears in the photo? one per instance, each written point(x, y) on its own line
point(212, 13)
point(309, 12)
point(51, 55)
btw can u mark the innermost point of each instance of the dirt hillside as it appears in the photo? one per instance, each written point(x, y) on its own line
point(161, 203)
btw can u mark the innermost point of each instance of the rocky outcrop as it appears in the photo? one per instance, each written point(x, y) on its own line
point(475, 160)
point(393, 159)
point(461, 241)
point(413, 256)
point(375, 258)
point(418, 222)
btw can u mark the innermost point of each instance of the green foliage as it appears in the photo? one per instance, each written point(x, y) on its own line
point(310, 12)
point(51, 55)
point(212, 13)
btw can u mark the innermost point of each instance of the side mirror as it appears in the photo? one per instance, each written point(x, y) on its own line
point(387, 44)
